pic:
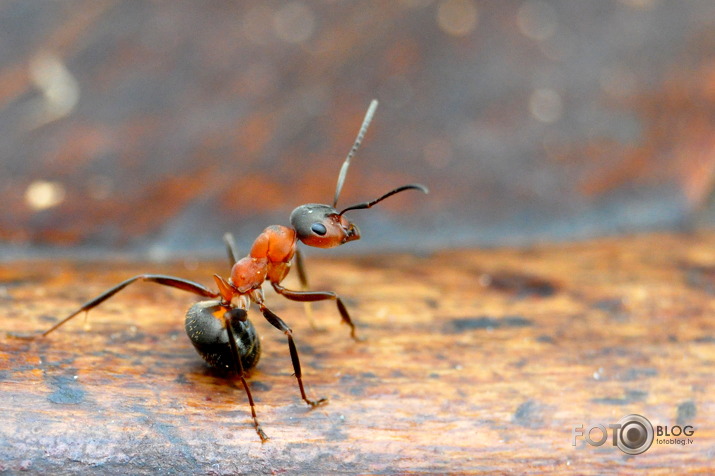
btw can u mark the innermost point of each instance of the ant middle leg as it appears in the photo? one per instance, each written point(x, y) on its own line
point(179, 283)
point(313, 296)
point(278, 323)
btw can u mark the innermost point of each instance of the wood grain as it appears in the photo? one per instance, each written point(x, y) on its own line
point(474, 361)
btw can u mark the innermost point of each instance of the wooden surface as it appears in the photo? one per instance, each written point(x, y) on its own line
point(473, 361)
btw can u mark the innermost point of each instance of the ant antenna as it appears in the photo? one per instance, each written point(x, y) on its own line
point(363, 129)
point(363, 205)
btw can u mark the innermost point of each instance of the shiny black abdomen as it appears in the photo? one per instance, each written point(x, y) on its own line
point(210, 338)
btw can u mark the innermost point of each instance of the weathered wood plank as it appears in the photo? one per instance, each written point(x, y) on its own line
point(473, 361)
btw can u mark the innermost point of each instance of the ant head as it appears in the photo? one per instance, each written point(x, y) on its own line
point(321, 225)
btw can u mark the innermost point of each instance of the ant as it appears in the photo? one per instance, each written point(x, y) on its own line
point(219, 327)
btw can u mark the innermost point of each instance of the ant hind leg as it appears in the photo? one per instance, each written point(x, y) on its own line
point(179, 283)
point(238, 368)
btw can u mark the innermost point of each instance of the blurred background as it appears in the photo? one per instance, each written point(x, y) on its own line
point(151, 128)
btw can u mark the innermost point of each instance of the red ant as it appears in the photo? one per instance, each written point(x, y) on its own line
point(219, 328)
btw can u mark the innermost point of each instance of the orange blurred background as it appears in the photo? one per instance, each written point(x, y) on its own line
point(151, 128)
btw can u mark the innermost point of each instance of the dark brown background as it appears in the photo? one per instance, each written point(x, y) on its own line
point(528, 120)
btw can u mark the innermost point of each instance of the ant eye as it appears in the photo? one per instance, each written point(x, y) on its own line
point(318, 229)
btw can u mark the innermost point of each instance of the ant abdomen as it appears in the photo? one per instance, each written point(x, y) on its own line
point(205, 326)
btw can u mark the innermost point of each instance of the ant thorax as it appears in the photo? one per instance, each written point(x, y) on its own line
point(269, 258)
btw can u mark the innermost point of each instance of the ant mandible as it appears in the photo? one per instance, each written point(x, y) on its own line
point(219, 328)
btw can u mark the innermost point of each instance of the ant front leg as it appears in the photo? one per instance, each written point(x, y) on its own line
point(238, 368)
point(300, 267)
point(313, 296)
point(170, 281)
point(278, 323)
point(303, 278)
